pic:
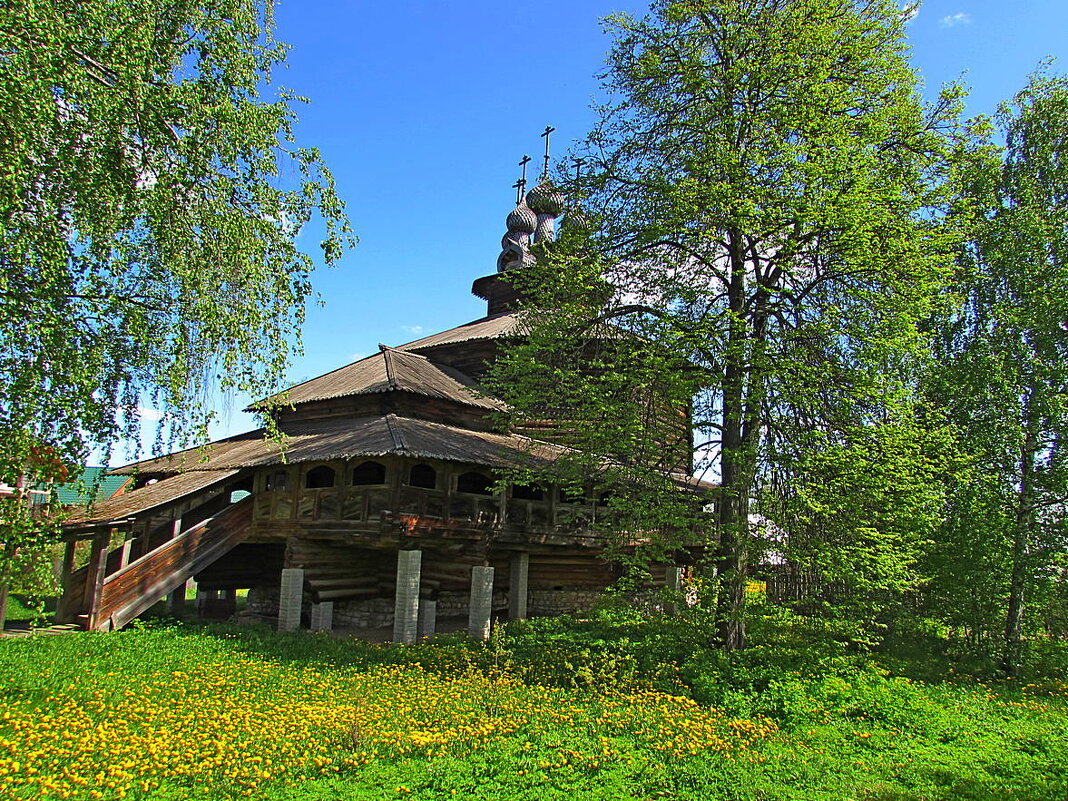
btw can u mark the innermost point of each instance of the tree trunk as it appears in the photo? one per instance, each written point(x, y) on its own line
point(1025, 506)
point(735, 475)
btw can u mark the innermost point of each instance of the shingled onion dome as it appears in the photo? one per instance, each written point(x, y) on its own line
point(522, 219)
point(576, 220)
point(515, 246)
point(548, 203)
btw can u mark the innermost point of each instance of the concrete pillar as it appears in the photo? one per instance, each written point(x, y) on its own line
point(517, 586)
point(673, 583)
point(322, 616)
point(428, 618)
point(290, 599)
point(478, 621)
point(406, 605)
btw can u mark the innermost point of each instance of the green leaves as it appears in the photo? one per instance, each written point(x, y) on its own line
point(148, 243)
point(1004, 374)
point(774, 198)
point(147, 249)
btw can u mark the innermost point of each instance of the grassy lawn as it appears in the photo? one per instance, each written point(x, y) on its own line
point(549, 710)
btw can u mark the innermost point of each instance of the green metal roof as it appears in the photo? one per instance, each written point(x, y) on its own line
point(93, 484)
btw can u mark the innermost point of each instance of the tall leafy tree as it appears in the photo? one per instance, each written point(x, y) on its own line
point(150, 193)
point(1005, 376)
point(768, 187)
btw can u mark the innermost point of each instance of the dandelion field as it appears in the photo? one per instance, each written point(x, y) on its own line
point(221, 712)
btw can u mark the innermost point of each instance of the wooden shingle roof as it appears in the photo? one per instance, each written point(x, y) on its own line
point(151, 496)
point(322, 440)
point(389, 370)
point(495, 327)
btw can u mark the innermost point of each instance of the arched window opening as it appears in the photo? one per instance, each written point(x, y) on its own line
point(319, 477)
point(369, 473)
point(474, 483)
point(278, 481)
point(423, 475)
point(528, 492)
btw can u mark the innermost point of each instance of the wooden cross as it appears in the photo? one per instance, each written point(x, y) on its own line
point(577, 164)
point(521, 184)
point(545, 165)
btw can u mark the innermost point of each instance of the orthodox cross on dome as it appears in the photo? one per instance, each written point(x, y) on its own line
point(577, 164)
point(521, 184)
point(545, 164)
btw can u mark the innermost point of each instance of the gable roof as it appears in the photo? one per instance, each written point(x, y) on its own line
point(93, 483)
point(388, 370)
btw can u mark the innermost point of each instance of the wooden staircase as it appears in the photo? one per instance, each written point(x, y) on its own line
point(104, 596)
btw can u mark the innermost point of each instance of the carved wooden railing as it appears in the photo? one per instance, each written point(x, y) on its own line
point(121, 596)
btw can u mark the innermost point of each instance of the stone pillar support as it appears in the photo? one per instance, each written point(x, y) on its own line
point(322, 616)
point(517, 586)
point(428, 617)
point(406, 606)
point(478, 622)
point(290, 599)
point(673, 583)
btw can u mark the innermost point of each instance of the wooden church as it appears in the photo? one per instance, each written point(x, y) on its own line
point(377, 507)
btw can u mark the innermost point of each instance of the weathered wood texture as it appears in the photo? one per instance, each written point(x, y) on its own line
point(133, 589)
point(422, 407)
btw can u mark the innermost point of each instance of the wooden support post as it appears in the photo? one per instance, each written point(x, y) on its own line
point(124, 554)
point(406, 604)
point(63, 611)
point(176, 527)
point(428, 617)
point(176, 599)
point(517, 586)
point(481, 605)
point(3, 606)
point(290, 599)
point(94, 582)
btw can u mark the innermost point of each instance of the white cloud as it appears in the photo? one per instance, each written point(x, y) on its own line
point(953, 20)
point(357, 356)
point(146, 414)
point(413, 329)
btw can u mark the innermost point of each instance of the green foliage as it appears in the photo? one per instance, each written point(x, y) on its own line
point(1003, 379)
point(844, 727)
point(771, 196)
point(150, 193)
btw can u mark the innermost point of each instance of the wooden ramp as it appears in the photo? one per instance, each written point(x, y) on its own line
point(104, 595)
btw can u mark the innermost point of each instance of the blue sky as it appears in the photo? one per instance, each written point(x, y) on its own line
point(422, 108)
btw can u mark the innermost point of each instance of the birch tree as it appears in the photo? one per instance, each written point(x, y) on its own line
point(150, 192)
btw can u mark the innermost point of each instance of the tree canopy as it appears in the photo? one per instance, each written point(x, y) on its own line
point(768, 187)
point(1003, 379)
point(151, 192)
